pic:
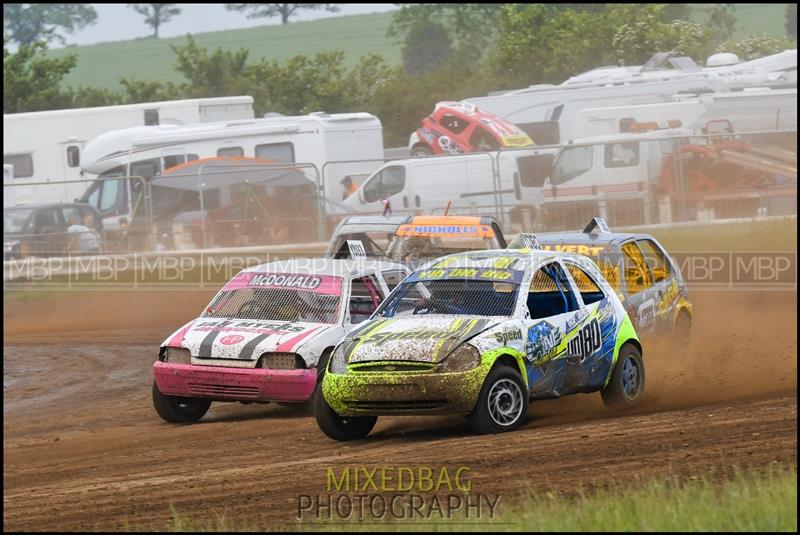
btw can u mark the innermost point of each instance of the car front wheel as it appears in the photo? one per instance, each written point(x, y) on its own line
point(626, 387)
point(502, 403)
point(176, 409)
point(340, 427)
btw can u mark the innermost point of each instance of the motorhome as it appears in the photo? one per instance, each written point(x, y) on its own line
point(309, 142)
point(613, 175)
point(641, 177)
point(9, 195)
point(48, 146)
point(773, 70)
point(545, 111)
point(751, 110)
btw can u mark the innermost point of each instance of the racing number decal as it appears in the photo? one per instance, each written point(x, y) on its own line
point(586, 342)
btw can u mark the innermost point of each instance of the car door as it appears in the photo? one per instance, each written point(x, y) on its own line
point(641, 296)
point(366, 294)
point(387, 184)
point(665, 285)
point(552, 309)
point(595, 337)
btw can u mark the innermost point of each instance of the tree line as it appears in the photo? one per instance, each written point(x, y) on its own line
point(449, 52)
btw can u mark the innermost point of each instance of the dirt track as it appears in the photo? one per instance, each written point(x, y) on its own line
point(85, 450)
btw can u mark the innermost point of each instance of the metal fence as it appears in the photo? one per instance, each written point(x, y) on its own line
point(635, 179)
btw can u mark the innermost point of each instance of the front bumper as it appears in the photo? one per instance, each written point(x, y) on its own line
point(387, 393)
point(234, 384)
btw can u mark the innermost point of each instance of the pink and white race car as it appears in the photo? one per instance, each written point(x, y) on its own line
point(266, 334)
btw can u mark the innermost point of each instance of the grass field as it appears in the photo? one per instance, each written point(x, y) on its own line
point(102, 65)
point(750, 501)
point(751, 18)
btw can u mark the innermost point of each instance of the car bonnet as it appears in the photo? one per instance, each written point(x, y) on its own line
point(242, 339)
point(412, 339)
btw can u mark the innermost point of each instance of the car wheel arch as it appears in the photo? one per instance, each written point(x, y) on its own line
point(324, 355)
point(509, 360)
point(634, 342)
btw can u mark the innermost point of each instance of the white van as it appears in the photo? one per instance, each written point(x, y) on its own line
point(467, 184)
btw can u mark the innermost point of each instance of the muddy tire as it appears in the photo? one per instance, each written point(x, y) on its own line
point(626, 387)
point(176, 409)
point(341, 427)
point(502, 403)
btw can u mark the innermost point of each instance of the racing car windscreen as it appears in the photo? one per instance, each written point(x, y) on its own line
point(451, 297)
point(275, 304)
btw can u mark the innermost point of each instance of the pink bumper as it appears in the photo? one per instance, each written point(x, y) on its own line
point(238, 384)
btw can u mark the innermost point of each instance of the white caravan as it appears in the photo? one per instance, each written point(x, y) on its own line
point(545, 111)
point(750, 110)
point(47, 146)
point(308, 141)
point(468, 184)
point(776, 69)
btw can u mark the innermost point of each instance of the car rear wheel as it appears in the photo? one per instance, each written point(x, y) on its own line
point(341, 427)
point(502, 403)
point(626, 387)
point(421, 150)
point(683, 328)
point(176, 409)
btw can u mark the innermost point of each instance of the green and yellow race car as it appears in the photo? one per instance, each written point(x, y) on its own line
point(480, 334)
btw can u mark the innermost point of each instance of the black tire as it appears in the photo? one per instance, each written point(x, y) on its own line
point(176, 409)
point(341, 427)
point(420, 149)
point(502, 403)
point(626, 387)
point(682, 333)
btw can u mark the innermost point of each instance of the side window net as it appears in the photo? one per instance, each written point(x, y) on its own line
point(550, 293)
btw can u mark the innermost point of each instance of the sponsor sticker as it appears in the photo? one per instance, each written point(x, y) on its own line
point(490, 274)
point(323, 284)
point(231, 339)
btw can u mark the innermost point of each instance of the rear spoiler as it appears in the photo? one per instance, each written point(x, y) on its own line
point(599, 224)
point(530, 240)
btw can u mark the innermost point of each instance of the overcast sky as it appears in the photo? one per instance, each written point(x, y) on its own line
point(118, 22)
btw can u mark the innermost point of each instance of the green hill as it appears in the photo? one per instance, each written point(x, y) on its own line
point(102, 65)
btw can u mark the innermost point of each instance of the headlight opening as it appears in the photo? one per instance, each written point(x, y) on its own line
point(463, 358)
point(177, 355)
point(338, 360)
